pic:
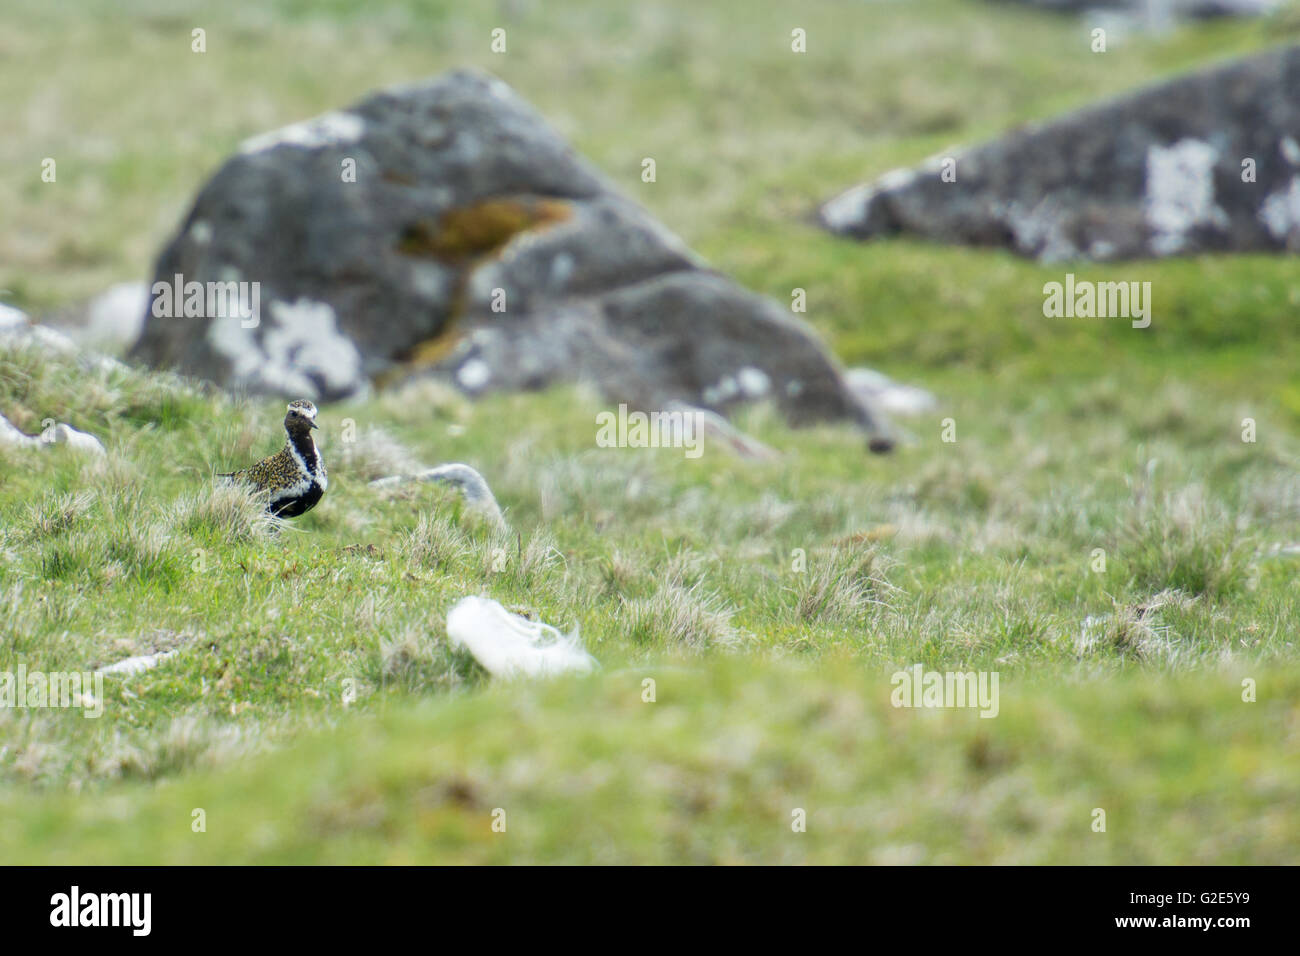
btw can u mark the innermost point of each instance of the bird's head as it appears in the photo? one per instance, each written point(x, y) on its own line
point(301, 416)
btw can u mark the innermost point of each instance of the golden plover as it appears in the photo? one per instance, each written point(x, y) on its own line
point(295, 475)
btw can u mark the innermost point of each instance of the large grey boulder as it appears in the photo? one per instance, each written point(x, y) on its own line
point(1208, 162)
point(475, 245)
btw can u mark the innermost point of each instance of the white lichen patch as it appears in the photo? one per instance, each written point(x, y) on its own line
point(1280, 211)
point(1040, 230)
point(473, 375)
point(305, 335)
point(562, 269)
point(302, 341)
point(326, 130)
point(1180, 193)
point(237, 344)
point(724, 391)
point(849, 209)
point(1290, 150)
point(897, 179)
point(753, 382)
point(429, 281)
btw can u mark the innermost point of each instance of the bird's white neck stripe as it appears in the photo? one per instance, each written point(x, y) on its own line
point(298, 457)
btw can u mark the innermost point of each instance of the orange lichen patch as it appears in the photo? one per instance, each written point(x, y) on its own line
point(481, 229)
point(420, 356)
point(433, 350)
point(459, 238)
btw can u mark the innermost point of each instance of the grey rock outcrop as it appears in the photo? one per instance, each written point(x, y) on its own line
point(1207, 162)
point(17, 331)
point(56, 434)
point(1189, 9)
point(473, 245)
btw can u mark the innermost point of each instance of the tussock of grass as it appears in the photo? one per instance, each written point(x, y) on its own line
point(1184, 541)
point(146, 551)
point(532, 564)
point(842, 587)
point(70, 557)
point(57, 514)
point(1138, 631)
point(682, 611)
point(184, 744)
point(226, 513)
point(372, 453)
point(956, 484)
point(418, 660)
point(436, 542)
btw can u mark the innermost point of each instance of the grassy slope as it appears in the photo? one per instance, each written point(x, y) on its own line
point(772, 685)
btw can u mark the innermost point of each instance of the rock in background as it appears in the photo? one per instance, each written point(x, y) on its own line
point(474, 244)
point(110, 322)
point(17, 332)
point(1156, 173)
point(1161, 9)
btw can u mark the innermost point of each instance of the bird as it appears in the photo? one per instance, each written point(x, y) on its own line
point(294, 476)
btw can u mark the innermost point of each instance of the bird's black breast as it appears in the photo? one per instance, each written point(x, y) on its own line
point(299, 504)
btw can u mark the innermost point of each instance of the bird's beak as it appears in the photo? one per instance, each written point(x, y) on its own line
point(312, 423)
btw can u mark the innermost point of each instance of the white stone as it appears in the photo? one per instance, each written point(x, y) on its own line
point(138, 664)
point(77, 440)
point(474, 374)
point(115, 317)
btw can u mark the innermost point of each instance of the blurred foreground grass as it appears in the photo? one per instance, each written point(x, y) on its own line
point(717, 769)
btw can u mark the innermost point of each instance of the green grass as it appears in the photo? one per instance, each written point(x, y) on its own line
point(715, 770)
point(1121, 689)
